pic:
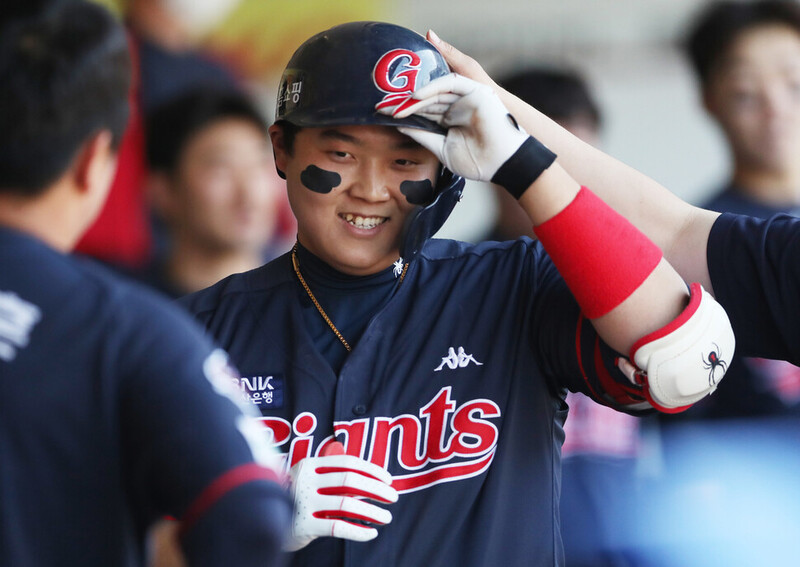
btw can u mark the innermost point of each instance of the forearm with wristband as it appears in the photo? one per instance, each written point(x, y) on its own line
point(602, 257)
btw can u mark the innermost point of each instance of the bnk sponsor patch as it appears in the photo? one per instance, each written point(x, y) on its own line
point(262, 391)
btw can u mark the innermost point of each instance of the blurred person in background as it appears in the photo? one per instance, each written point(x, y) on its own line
point(601, 445)
point(747, 59)
point(164, 37)
point(213, 181)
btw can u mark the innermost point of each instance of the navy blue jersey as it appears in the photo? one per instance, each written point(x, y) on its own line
point(109, 418)
point(755, 272)
point(753, 386)
point(457, 386)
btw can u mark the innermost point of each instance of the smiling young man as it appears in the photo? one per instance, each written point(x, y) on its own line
point(387, 175)
point(440, 366)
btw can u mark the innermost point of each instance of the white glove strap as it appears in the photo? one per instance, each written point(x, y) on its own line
point(685, 360)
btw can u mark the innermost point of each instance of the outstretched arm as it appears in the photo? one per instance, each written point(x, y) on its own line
point(635, 299)
point(678, 228)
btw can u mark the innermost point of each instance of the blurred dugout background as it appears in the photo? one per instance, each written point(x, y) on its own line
point(627, 49)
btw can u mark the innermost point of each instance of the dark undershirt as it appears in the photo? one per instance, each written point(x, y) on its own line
point(349, 301)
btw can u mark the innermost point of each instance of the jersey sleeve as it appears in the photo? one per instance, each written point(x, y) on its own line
point(573, 355)
point(755, 273)
point(190, 451)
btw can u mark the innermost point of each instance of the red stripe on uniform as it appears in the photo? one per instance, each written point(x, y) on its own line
point(443, 473)
point(219, 487)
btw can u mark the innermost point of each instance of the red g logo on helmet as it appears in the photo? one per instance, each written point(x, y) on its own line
point(396, 74)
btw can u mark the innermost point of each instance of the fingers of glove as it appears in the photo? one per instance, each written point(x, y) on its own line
point(441, 101)
point(340, 463)
point(484, 106)
point(452, 83)
point(332, 507)
point(327, 523)
point(354, 532)
point(435, 112)
point(430, 140)
point(354, 484)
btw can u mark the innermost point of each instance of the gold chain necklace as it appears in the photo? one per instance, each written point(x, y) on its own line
point(316, 303)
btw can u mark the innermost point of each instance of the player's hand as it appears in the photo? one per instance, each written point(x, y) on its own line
point(329, 498)
point(481, 135)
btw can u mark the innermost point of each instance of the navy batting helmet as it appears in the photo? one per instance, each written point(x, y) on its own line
point(344, 75)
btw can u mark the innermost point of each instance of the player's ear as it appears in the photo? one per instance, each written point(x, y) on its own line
point(95, 164)
point(279, 148)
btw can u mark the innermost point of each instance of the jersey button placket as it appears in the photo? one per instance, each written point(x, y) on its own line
point(359, 409)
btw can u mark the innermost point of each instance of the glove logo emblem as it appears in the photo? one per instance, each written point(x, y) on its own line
point(712, 362)
point(396, 73)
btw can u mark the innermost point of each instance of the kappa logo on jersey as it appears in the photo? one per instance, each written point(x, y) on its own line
point(455, 360)
point(262, 391)
point(17, 319)
point(396, 74)
point(445, 443)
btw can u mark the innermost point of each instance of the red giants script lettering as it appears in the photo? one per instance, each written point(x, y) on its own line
point(445, 443)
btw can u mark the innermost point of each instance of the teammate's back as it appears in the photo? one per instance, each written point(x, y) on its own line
point(113, 407)
point(102, 395)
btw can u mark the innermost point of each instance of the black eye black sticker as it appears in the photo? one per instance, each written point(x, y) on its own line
point(417, 192)
point(319, 180)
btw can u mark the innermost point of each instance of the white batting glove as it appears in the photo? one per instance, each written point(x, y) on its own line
point(329, 495)
point(481, 135)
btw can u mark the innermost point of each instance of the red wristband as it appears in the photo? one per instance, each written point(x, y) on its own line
point(602, 257)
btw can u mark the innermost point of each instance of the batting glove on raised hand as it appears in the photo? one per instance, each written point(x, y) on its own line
point(329, 499)
point(483, 141)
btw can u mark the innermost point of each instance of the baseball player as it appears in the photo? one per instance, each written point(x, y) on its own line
point(113, 405)
point(439, 366)
point(749, 264)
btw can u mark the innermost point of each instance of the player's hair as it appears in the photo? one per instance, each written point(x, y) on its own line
point(720, 23)
point(171, 126)
point(559, 94)
point(65, 74)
